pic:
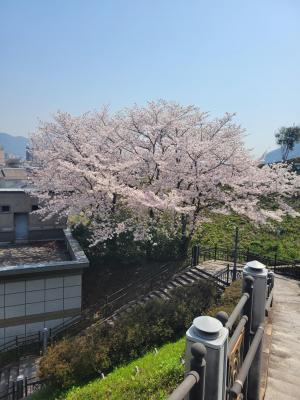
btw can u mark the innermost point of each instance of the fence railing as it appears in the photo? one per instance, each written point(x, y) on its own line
point(194, 382)
point(22, 387)
point(233, 345)
point(275, 263)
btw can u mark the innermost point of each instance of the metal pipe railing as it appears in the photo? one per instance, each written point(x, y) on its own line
point(194, 383)
point(237, 386)
point(237, 311)
point(186, 386)
point(237, 333)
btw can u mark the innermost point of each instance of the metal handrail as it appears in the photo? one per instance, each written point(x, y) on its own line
point(186, 386)
point(246, 254)
point(237, 311)
point(238, 384)
point(194, 382)
point(236, 334)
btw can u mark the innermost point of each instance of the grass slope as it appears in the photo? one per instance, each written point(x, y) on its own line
point(282, 237)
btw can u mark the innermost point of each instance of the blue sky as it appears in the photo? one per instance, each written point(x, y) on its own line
point(223, 55)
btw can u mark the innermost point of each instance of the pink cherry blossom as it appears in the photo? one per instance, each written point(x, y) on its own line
point(118, 168)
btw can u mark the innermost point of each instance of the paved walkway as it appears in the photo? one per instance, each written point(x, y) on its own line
point(283, 382)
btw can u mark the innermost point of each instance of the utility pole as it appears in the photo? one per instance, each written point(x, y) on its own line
point(236, 243)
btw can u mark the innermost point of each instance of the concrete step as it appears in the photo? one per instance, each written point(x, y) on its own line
point(174, 284)
point(187, 278)
point(193, 275)
point(162, 294)
point(181, 281)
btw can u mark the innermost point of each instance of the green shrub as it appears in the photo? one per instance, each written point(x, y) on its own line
point(78, 359)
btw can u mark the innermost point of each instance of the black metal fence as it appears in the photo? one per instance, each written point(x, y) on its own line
point(275, 263)
point(22, 388)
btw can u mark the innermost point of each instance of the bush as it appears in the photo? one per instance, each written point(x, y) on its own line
point(78, 359)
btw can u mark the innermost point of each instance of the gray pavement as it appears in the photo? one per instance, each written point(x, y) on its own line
point(283, 382)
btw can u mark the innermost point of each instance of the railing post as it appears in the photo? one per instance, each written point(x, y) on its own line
point(20, 387)
point(258, 273)
point(210, 332)
point(247, 255)
point(236, 241)
point(216, 249)
point(227, 273)
point(14, 390)
point(198, 364)
point(275, 261)
point(198, 255)
point(26, 386)
point(45, 340)
point(193, 261)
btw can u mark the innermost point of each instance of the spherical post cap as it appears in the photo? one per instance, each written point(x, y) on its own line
point(222, 316)
point(198, 350)
point(249, 279)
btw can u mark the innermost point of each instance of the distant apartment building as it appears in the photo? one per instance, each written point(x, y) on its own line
point(13, 173)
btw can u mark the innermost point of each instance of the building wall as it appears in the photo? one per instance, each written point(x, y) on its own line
point(21, 202)
point(29, 304)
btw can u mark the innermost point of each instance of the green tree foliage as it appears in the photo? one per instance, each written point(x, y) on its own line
point(287, 137)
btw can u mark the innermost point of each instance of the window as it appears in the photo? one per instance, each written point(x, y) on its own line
point(34, 207)
point(5, 208)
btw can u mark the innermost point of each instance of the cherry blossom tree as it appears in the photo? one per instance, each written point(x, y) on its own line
point(125, 170)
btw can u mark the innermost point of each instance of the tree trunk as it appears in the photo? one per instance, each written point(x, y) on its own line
point(185, 239)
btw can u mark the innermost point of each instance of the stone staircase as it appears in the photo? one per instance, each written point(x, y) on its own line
point(208, 270)
point(26, 366)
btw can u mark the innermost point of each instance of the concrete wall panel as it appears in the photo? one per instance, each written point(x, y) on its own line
point(35, 284)
point(35, 308)
point(72, 291)
point(14, 311)
point(34, 327)
point(52, 283)
point(54, 294)
point(13, 331)
point(73, 302)
point(35, 296)
point(54, 305)
point(14, 299)
point(72, 280)
point(14, 287)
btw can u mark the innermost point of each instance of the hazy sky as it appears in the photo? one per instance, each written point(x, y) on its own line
point(223, 55)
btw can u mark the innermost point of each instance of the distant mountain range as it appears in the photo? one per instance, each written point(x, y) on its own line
point(275, 155)
point(13, 144)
